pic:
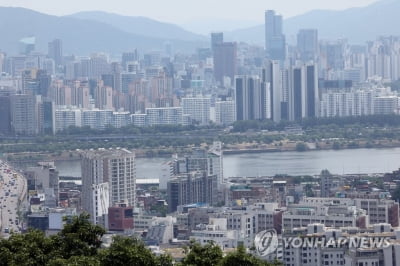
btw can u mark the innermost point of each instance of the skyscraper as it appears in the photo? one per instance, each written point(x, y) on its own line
point(275, 41)
point(80, 94)
point(307, 44)
point(108, 179)
point(99, 65)
point(252, 98)
point(2, 61)
point(217, 38)
point(129, 57)
point(46, 114)
point(303, 92)
point(297, 94)
point(312, 91)
point(273, 75)
point(103, 96)
point(24, 114)
point(225, 57)
point(5, 115)
point(55, 51)
point(27, 45)
point(35, 82)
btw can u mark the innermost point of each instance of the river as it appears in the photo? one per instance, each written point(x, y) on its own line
point(347, 161)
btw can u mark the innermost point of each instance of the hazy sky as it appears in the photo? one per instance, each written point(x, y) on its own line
point(182, 11)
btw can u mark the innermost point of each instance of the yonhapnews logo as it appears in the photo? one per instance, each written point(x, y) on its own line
point(266, 242)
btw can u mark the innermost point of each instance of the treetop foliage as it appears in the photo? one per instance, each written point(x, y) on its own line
point(79, 243)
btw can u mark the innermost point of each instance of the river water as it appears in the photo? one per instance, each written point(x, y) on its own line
point(348, 161)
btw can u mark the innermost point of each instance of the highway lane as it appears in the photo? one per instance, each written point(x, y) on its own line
point(12, 192)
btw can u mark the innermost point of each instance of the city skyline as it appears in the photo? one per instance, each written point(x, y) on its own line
point(208, 13)
point(282, 138)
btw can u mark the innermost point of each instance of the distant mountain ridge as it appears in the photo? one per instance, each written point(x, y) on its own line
point(94, 31)
point(140, 25)
point(358, 25)
point(79, 36)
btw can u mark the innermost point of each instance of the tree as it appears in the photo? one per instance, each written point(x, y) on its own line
point(130, 251)
point(396, 194)
point(75, 261)
point(32, 248)
point(79, 244)
point(309, 191)
point(241, 258)
point(209, 254)
point(79, 237)
point(325, 173)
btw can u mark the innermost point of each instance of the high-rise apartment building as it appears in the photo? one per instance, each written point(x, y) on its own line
point(165, 116)
point(332, 55)
point(225, 65)
point(191, 188)
point(127, 79)
point(252, 98)
point(66, 117)
point(108, 179)
point(2, 62)
point(24, 114)
point(303, 92)
point(35, 82)
point(60, 93)
point(198, 108)
point(5, 115)
point(307, 44)
point(80, 95)
point(129, 57)
point(272, 74)
point(225, 112)
point(353, 103)
point(99, 65)
point(46, 116)
point(97, 119)
point(55, 51)
point(275, 41)
point(103, 97)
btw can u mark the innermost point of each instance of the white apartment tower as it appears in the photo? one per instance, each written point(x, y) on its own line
point(108, 178)
point(198, 108)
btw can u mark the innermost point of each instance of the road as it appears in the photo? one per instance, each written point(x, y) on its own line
point(12, 191)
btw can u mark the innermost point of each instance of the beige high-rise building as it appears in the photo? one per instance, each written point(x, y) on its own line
point(108, 178)
point(103, 97)
point(60, 93)
point(80, 95)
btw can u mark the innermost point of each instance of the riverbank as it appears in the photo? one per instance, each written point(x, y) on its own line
point(164, 152)
point(289, 146)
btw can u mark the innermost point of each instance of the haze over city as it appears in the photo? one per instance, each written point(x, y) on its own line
point(199, 16)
